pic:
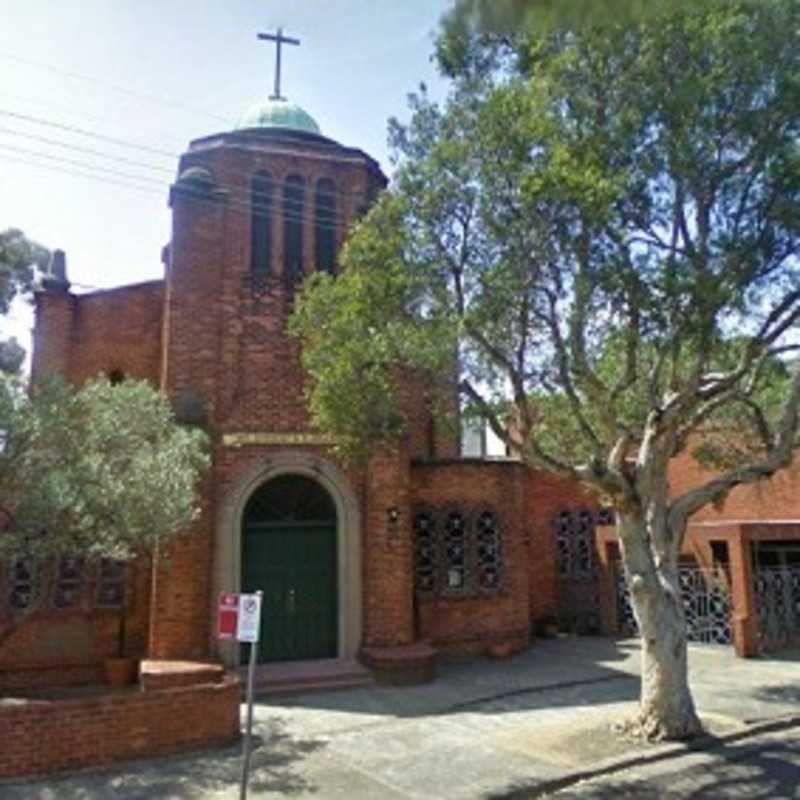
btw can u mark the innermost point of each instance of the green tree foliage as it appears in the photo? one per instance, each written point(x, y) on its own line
point(99, 472)
point(19, 257)
point(603, 222)
point(473, 30)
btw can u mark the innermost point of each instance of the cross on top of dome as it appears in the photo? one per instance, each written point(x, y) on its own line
point(277, 112)
point(279, 40)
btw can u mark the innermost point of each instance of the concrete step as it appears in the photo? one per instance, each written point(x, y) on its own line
point(294, 677)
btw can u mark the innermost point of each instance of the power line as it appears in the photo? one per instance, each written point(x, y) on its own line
point(81, 164)
point(150, 98)
point(145, 148)
point(86, 150)
point(232, 204)
point(238, 200)
point(71, 111)
point(56, 168)
point(91, 134)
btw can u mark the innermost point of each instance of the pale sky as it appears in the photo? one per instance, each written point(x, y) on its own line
point(158, 73)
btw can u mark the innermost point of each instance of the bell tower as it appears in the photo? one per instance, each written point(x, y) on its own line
point(256, 210)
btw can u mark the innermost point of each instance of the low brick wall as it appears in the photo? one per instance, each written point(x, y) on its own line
point(54, 735)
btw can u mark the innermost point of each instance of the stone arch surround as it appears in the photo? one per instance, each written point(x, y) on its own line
point(228, 539)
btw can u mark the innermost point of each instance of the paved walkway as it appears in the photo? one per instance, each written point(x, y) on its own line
point(765, 767)
point(483, 730)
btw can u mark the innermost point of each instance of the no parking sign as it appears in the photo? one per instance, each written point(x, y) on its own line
point(249, 617)
point(239, 617)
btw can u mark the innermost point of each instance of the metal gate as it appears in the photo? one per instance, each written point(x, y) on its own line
point(778, 603)
point(706, 603)
point(576, 562)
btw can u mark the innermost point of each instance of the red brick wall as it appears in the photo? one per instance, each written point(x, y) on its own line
point(473, 624)
point(204, 329)
point(66, 647)
point(80, 336)
point(388, 555)
point(231, 344)
point(545, 496)
point(775, 499)
point(46, 736)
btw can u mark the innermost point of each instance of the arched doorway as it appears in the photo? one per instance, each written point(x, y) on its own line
point(289, 551)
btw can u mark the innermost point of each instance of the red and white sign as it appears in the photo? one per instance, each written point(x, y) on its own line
point(239, 617)
point(227, 615)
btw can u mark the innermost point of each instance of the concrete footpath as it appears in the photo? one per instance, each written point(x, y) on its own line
point(527, 727)
point(764, 766)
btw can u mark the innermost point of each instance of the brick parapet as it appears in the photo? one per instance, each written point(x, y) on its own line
point(82, 336)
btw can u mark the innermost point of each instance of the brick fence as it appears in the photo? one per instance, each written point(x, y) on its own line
point(54, 735)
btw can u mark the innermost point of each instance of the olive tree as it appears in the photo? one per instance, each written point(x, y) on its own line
point(99, 472)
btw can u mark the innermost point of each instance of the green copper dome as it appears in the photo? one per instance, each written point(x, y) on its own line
point(279, 114)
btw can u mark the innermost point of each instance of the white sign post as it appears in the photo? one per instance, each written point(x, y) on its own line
point(247, 630)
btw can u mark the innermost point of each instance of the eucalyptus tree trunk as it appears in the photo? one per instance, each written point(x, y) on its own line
point(666, 707)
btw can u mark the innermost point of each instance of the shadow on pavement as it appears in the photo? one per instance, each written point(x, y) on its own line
point(481, 683)
point(731, 770)
point(779, 693)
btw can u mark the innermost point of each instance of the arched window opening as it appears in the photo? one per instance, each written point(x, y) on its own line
point(69, 583)
point(22, 584)
point(325, 225)
point(293, 210)
point(261, 224)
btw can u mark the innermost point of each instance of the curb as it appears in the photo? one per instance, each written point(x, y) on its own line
point(705, 743)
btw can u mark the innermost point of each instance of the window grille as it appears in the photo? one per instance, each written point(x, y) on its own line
point(22, 584)
point(69, 583)
point(457, 552)
point(489, 544)
point(574, 531)
point(424, 550)
point(111, 584)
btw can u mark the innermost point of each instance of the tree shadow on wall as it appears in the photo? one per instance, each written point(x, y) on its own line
point(276, 766)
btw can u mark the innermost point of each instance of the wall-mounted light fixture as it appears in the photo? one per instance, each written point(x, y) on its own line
point(392, 523)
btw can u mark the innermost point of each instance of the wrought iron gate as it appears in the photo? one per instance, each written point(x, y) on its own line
point(706, 604)
point(778, 602)
point(576, 561)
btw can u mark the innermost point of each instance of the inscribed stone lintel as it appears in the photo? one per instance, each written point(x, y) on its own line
point(274, 437)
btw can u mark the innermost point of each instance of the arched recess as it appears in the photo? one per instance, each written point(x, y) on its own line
point(325, 225)
point(228, 550)
point(261, 224)
point(294, 206)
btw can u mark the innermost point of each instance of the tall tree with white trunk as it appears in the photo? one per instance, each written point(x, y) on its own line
point(604, 222)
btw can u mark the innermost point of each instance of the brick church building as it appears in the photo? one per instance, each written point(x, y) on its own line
point(420, 552)
point(418, 546)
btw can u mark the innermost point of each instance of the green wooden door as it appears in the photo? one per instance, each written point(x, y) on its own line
point(289, 552)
